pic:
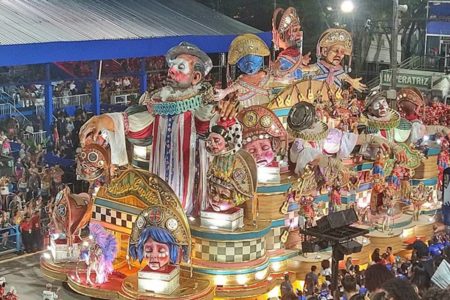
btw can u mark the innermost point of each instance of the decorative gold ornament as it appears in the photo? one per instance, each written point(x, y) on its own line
point(246, 44)
point(336, 36)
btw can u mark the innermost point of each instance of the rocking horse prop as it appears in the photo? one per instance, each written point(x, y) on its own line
point(70, 213)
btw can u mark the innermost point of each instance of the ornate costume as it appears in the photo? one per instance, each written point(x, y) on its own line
point(247, 52)
point(172, 120)
point(333, 45)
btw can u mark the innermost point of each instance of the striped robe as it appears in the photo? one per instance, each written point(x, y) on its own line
point(178, 155)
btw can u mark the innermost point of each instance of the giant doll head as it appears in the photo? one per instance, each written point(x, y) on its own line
point(188, 65)
point(231, 181)
point(263, 134)
point(334, 44)
point(409, 102)
point(225, 137)
point(377, 106)
point(161, 236)
point(286, 29)
point(247, 51)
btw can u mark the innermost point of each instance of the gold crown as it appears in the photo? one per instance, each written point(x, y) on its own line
point(336, 36)
point(246, 44)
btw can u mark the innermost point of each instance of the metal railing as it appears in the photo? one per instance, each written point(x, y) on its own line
point(74, 100)
point(14, 243)
point(9, 110)
point(37, 137)
point(123, 98)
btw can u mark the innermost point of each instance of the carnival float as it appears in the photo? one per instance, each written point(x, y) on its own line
point(199, 193)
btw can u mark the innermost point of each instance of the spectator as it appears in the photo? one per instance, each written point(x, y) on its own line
point(436, 293)
point(311, 280)
point(25, 228)
point(286, 287)
point(375, 257)
point(349, 285)
point(397, 289)
point(5, 227)
point(390, 256)
point(375, 276)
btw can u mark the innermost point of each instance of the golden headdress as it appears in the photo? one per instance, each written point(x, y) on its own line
point(241, 177)
point(335, 36)
point(246, 44)
point(281, 26)
point(260, 122)
point(163, 209)
point(410, 94)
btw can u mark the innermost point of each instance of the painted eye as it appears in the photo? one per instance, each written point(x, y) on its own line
point(181, 66)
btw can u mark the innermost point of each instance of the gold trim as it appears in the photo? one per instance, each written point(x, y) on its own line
point(309, 135)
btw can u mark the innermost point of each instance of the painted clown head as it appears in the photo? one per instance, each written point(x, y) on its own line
point(377, 105)
point(263, 134)
point(188, 65)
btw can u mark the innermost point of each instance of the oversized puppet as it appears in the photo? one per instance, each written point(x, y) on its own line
point(231, 177)
point(318, 145)
point(160, 235)
point(385, 122)
point(264, 137)
point(173, 120)
point(333, 45)
point(231, 181)
point(247, 52)
point(288, 37)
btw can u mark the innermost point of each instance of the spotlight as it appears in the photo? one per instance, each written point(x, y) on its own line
point(347, 6)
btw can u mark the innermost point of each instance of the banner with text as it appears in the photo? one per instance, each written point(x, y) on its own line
point(403, 80)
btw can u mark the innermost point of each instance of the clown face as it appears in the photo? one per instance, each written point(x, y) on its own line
point(379, 108)
point(215, 144)
point(250, 64)
point(220, 198)
point(181, 73)
point(157, 254)
point(262, 151)
point(334, 54)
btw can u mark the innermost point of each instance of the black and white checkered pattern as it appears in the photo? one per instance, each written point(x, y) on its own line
point(238, 251)
point(111, 216)
point(273, 239)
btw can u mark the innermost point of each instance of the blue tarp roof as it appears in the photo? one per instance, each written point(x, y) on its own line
point(36, 31)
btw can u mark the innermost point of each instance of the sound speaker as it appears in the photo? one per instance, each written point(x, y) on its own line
point(337, 219)
point(310, 246)
point(349, 247)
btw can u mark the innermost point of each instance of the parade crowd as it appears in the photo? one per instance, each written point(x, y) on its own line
point(27, 193)
point(387, 276)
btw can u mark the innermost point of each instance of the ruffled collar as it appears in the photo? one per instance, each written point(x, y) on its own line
point(392, 121)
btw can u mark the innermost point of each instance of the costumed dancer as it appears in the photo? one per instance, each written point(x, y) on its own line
point(247, 52)
point(174, 119)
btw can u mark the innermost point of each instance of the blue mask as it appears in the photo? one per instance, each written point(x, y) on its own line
point(250, 64)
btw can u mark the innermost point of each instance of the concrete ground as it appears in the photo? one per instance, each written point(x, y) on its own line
point(23, 273)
